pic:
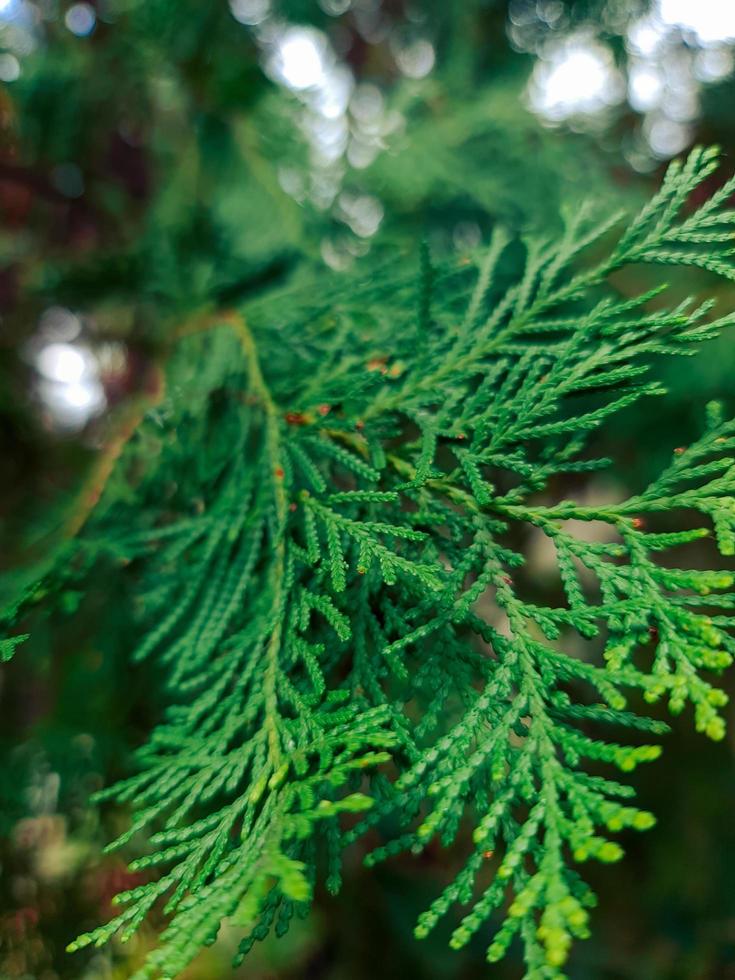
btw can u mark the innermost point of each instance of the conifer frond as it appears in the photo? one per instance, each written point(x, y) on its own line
point(333, 577)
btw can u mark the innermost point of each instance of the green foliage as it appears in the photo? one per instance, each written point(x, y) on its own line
point(327, 519)
point(8, 645)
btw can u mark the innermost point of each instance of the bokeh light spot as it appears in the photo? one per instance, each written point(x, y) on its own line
point(81, 19)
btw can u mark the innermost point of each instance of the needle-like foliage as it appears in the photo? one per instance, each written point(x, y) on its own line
point(328, 514)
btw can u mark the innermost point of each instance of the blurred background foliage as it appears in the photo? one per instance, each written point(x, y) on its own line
point(159, 158)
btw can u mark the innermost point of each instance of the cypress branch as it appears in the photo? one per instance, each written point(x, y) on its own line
point(324, 607)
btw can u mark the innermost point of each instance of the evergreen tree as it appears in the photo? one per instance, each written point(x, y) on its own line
point(323, 498)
